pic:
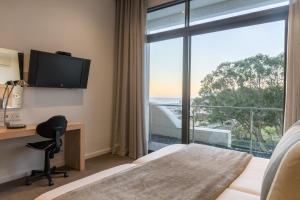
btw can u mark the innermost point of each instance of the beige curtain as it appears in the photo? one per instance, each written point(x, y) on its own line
point(129, 135)
point(292, 104)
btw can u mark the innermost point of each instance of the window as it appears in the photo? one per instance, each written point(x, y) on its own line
point(212, 10)
point(165, 92)
point(237, 87)
point(166, 19)
point(215, 78)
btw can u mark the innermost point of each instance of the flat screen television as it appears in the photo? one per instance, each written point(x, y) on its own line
point(58, 71)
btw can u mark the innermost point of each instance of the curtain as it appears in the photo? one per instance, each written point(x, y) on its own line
point(129, 135)
point(292, 102)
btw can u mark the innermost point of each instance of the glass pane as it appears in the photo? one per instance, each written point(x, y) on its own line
point(166, 19)
point(237, 88)
point(210, 10)
point(165, 92)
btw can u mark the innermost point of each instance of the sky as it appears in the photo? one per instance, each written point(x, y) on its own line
point(208, 51)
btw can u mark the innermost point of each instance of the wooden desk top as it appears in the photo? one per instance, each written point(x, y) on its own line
point(30, 130)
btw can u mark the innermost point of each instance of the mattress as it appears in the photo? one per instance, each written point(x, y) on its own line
point(247, 185)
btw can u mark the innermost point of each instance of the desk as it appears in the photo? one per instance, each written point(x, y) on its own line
point(74, 144)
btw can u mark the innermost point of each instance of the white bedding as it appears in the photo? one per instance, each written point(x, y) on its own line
point(248, 182)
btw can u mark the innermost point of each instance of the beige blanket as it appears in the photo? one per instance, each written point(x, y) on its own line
point(197, 172)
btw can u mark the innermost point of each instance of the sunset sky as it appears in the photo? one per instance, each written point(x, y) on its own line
point(208, 51)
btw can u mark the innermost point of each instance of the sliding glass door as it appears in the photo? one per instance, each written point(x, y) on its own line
point(165, 92)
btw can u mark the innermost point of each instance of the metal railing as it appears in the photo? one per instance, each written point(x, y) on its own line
point(197, 110)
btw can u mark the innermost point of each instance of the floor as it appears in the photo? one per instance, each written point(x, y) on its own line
point(16, 190)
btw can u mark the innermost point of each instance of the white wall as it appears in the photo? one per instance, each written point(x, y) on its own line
point(83, 27)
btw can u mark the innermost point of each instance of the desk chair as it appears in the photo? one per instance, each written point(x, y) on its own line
point(52, 129)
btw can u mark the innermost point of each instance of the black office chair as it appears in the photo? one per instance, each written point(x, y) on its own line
point(53, 129)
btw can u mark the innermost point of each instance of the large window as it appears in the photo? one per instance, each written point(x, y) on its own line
point(216, 73)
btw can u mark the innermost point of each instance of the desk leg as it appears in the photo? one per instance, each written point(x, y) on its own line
point(74, 149)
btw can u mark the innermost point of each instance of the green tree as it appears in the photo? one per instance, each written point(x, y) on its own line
point(256, 82)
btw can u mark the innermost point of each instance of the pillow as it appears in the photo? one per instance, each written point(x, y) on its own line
point(290, 138)
point(286, 183)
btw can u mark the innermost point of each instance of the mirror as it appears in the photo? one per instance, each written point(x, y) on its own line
point(11, 69)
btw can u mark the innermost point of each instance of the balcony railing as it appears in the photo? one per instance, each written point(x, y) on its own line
point(249, 129)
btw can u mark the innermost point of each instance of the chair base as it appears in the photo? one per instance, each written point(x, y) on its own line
point(37, 174)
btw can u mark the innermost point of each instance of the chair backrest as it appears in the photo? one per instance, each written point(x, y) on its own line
point(57, 124)
point(282, 176)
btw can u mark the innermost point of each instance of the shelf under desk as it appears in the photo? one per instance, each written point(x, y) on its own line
point(74, 144)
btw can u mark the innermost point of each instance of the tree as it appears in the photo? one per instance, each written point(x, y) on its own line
point(254, 82)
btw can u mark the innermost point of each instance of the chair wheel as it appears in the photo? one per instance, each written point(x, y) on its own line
point(66, 174)
point(51, 183)
point(27, 182)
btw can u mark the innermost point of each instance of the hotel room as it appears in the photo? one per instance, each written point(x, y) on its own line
point(150, 99)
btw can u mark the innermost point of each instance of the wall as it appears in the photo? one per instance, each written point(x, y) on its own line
point(85, 28)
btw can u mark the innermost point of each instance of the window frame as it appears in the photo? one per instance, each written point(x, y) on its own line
point(254, 18)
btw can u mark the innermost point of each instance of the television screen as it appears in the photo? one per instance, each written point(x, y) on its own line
point(56, 70)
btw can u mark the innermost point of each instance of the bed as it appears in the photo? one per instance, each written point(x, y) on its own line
point(274, 179)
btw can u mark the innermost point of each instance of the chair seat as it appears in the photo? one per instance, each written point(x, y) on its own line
point(43, 145)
